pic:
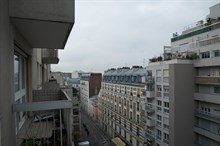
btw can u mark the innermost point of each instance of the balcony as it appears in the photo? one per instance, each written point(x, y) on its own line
point(50, 56)
point(214, 42)
point(207, 133)
point(211, 98)
point(150, 94)
point(213, 61)
point(196, 32)
point(150, 122)
point(208, 116)
point(46, 119)
point(149, 80)
point(150, 108)
point(43, 23)
point(150, 135)
point(209, 80)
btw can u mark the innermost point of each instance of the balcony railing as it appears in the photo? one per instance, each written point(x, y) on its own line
point(196, 32)
point(150, 108)
point(50, 56)
point(149, 80)
point(211, 80)
point(191, 46)
point(150, 122)
point(47, 118)
point(208, 116)
point(211, 98)
point(150, 94)
point(207, 133)
point(150, 135)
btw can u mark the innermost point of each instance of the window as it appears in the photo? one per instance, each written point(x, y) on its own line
point(20, 78)
point(124, 112)
point(131, 115)
point(166, 138)
point(166, 91)
point(166, 104)
point(159, 120)
point(138, 119)
point(158, 73)
point(159, 117)
point(165, 72)
point(138, 131)
point(205, 54)
point(217, 89)
point(216, 53)
point(138, 108)
point(159, 88)
point(158, 134)
point(159, 102)
point(205, 110)
point(166, 127)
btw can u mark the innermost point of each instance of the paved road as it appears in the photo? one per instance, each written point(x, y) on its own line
point(95, 135)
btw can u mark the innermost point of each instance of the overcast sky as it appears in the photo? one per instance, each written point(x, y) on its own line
point(116, 33)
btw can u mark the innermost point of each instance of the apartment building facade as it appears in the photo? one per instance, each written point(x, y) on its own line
point(183, 108)
point(168, 107)
point(30, 36)
point(90, 84)
point(204, 40)
point(119, 101)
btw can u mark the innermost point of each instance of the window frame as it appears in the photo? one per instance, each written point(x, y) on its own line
point(20, 95)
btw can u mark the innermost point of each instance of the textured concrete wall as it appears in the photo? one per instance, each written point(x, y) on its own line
point(6, 76)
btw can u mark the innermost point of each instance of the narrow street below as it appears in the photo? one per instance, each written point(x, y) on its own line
point(93, 133)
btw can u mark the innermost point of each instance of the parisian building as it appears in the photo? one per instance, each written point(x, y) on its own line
point(120, 100)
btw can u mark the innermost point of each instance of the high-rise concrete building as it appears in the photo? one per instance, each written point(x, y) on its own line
point(90, 84)
point(31, 33)
point(203, 39)
point(120, 99)
point(182, 103)
point(168, 109)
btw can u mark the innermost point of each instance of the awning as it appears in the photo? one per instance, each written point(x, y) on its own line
point(118, 141)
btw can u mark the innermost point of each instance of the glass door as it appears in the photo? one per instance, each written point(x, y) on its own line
point(20, 79)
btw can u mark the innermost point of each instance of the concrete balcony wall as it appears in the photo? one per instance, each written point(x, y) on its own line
point(208, 116)
point(211, 98)
point(211, 80)
point(150, 122)
point(150, 94)
point(207, 62)
point(50, 56)
point(207, 133)
point(44, 10)
point(49, 101)
point(43, 23)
